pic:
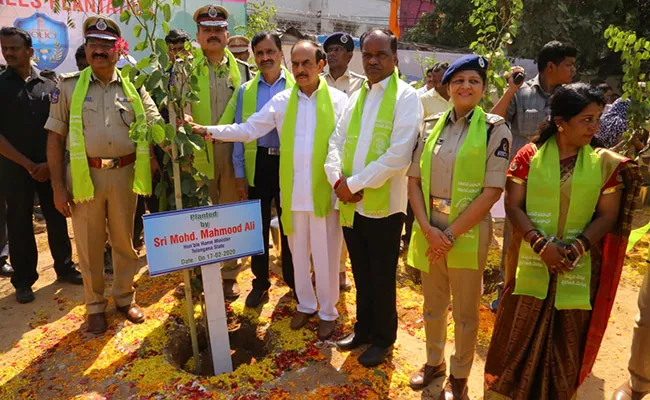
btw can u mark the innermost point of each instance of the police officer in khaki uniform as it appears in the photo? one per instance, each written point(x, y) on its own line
point(238, 46)
point(466, 78)
point(212, 34)
point(339, 47)
point(106, 115)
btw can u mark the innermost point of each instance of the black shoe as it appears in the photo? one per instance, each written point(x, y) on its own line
point(255, 297)
point(73, 277)
point(6, 270)
point(25, 295)
point(374, 356)
point(351, 342)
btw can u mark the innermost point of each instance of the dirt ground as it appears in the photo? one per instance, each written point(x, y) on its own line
point(22, 326)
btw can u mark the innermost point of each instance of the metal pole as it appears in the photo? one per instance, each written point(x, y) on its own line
point(178, 195)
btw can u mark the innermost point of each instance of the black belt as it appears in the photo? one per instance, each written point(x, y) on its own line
point(272, 151)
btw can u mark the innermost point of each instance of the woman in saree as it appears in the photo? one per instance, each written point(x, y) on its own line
point(571, 207)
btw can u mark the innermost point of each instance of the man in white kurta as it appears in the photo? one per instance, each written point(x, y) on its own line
point(316, 237)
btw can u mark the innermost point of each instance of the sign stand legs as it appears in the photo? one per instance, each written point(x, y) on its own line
point(216, 318)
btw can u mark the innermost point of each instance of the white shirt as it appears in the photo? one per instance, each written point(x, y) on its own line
point(270, 117)
point(393, 164)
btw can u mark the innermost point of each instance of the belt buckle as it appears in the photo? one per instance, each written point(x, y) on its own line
point(272, 151)
point(110, 163)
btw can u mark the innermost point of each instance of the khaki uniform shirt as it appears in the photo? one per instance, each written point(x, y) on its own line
point(222, 88)
point(347, 83)
point(106, 112)
point(449, 142)
point(433, 103)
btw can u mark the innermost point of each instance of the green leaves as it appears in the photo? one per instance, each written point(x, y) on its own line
point(157, 133)
point(167, 12)
point(497, 25)
point(634, 51)
point(125, 17)
point(148, 20)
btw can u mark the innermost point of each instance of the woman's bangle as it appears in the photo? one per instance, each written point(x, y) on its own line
point(544, 248)
point(539, 245)
point(579, 246)
point(585, 242)
point(537, 241)
point(535, 230)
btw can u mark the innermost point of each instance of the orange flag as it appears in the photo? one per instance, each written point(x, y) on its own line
point(393, 24)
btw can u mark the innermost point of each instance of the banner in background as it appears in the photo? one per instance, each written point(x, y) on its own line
point(55, 42)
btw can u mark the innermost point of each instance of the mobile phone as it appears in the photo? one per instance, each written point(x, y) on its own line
point(518, 77)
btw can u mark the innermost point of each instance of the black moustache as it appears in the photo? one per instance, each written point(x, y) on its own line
point(267, 62)
point(213, 39)
point(301, 76)
point(100, 56)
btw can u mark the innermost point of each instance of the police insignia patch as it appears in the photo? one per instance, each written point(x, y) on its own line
point(344, 39)
point(212, 12)
point(55, 96)
point(503, 150)
point(101, 25)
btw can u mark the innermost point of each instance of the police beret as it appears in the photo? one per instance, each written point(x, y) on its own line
point(238, 44)
point(101, 27)
point(211, 15)
point(470, 62)
point(342, 39)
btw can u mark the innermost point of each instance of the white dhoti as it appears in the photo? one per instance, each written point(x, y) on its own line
point(321, 239)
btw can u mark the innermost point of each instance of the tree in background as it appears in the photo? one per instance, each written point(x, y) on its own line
point(634, 52)
point(261, 17)
point(497, 24)
point(581, 22)
point(447, 26)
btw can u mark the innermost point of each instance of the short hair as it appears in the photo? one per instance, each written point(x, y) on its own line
point(554, 52)
point(440, 67)
point(49, 74)
point(320, 53)
point(177, 36)
point(385, 31)
point(429, 70)
point(13, 31)
point(264, 35)
point(603, 87)
point(80, 53)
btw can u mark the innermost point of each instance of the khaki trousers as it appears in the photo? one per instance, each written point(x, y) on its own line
point(222, 190)
point(114, 204)
point(639, 365)
point(465, 286)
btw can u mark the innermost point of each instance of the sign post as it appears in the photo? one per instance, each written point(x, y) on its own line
point(205, 236)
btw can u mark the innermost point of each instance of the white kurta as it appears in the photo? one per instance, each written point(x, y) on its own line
point(393, 164)
point(312, 236)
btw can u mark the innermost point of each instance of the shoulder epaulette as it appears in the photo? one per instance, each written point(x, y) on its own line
point(244, 63)
point(494, 119)
point(434, 117)
point(69, 75)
